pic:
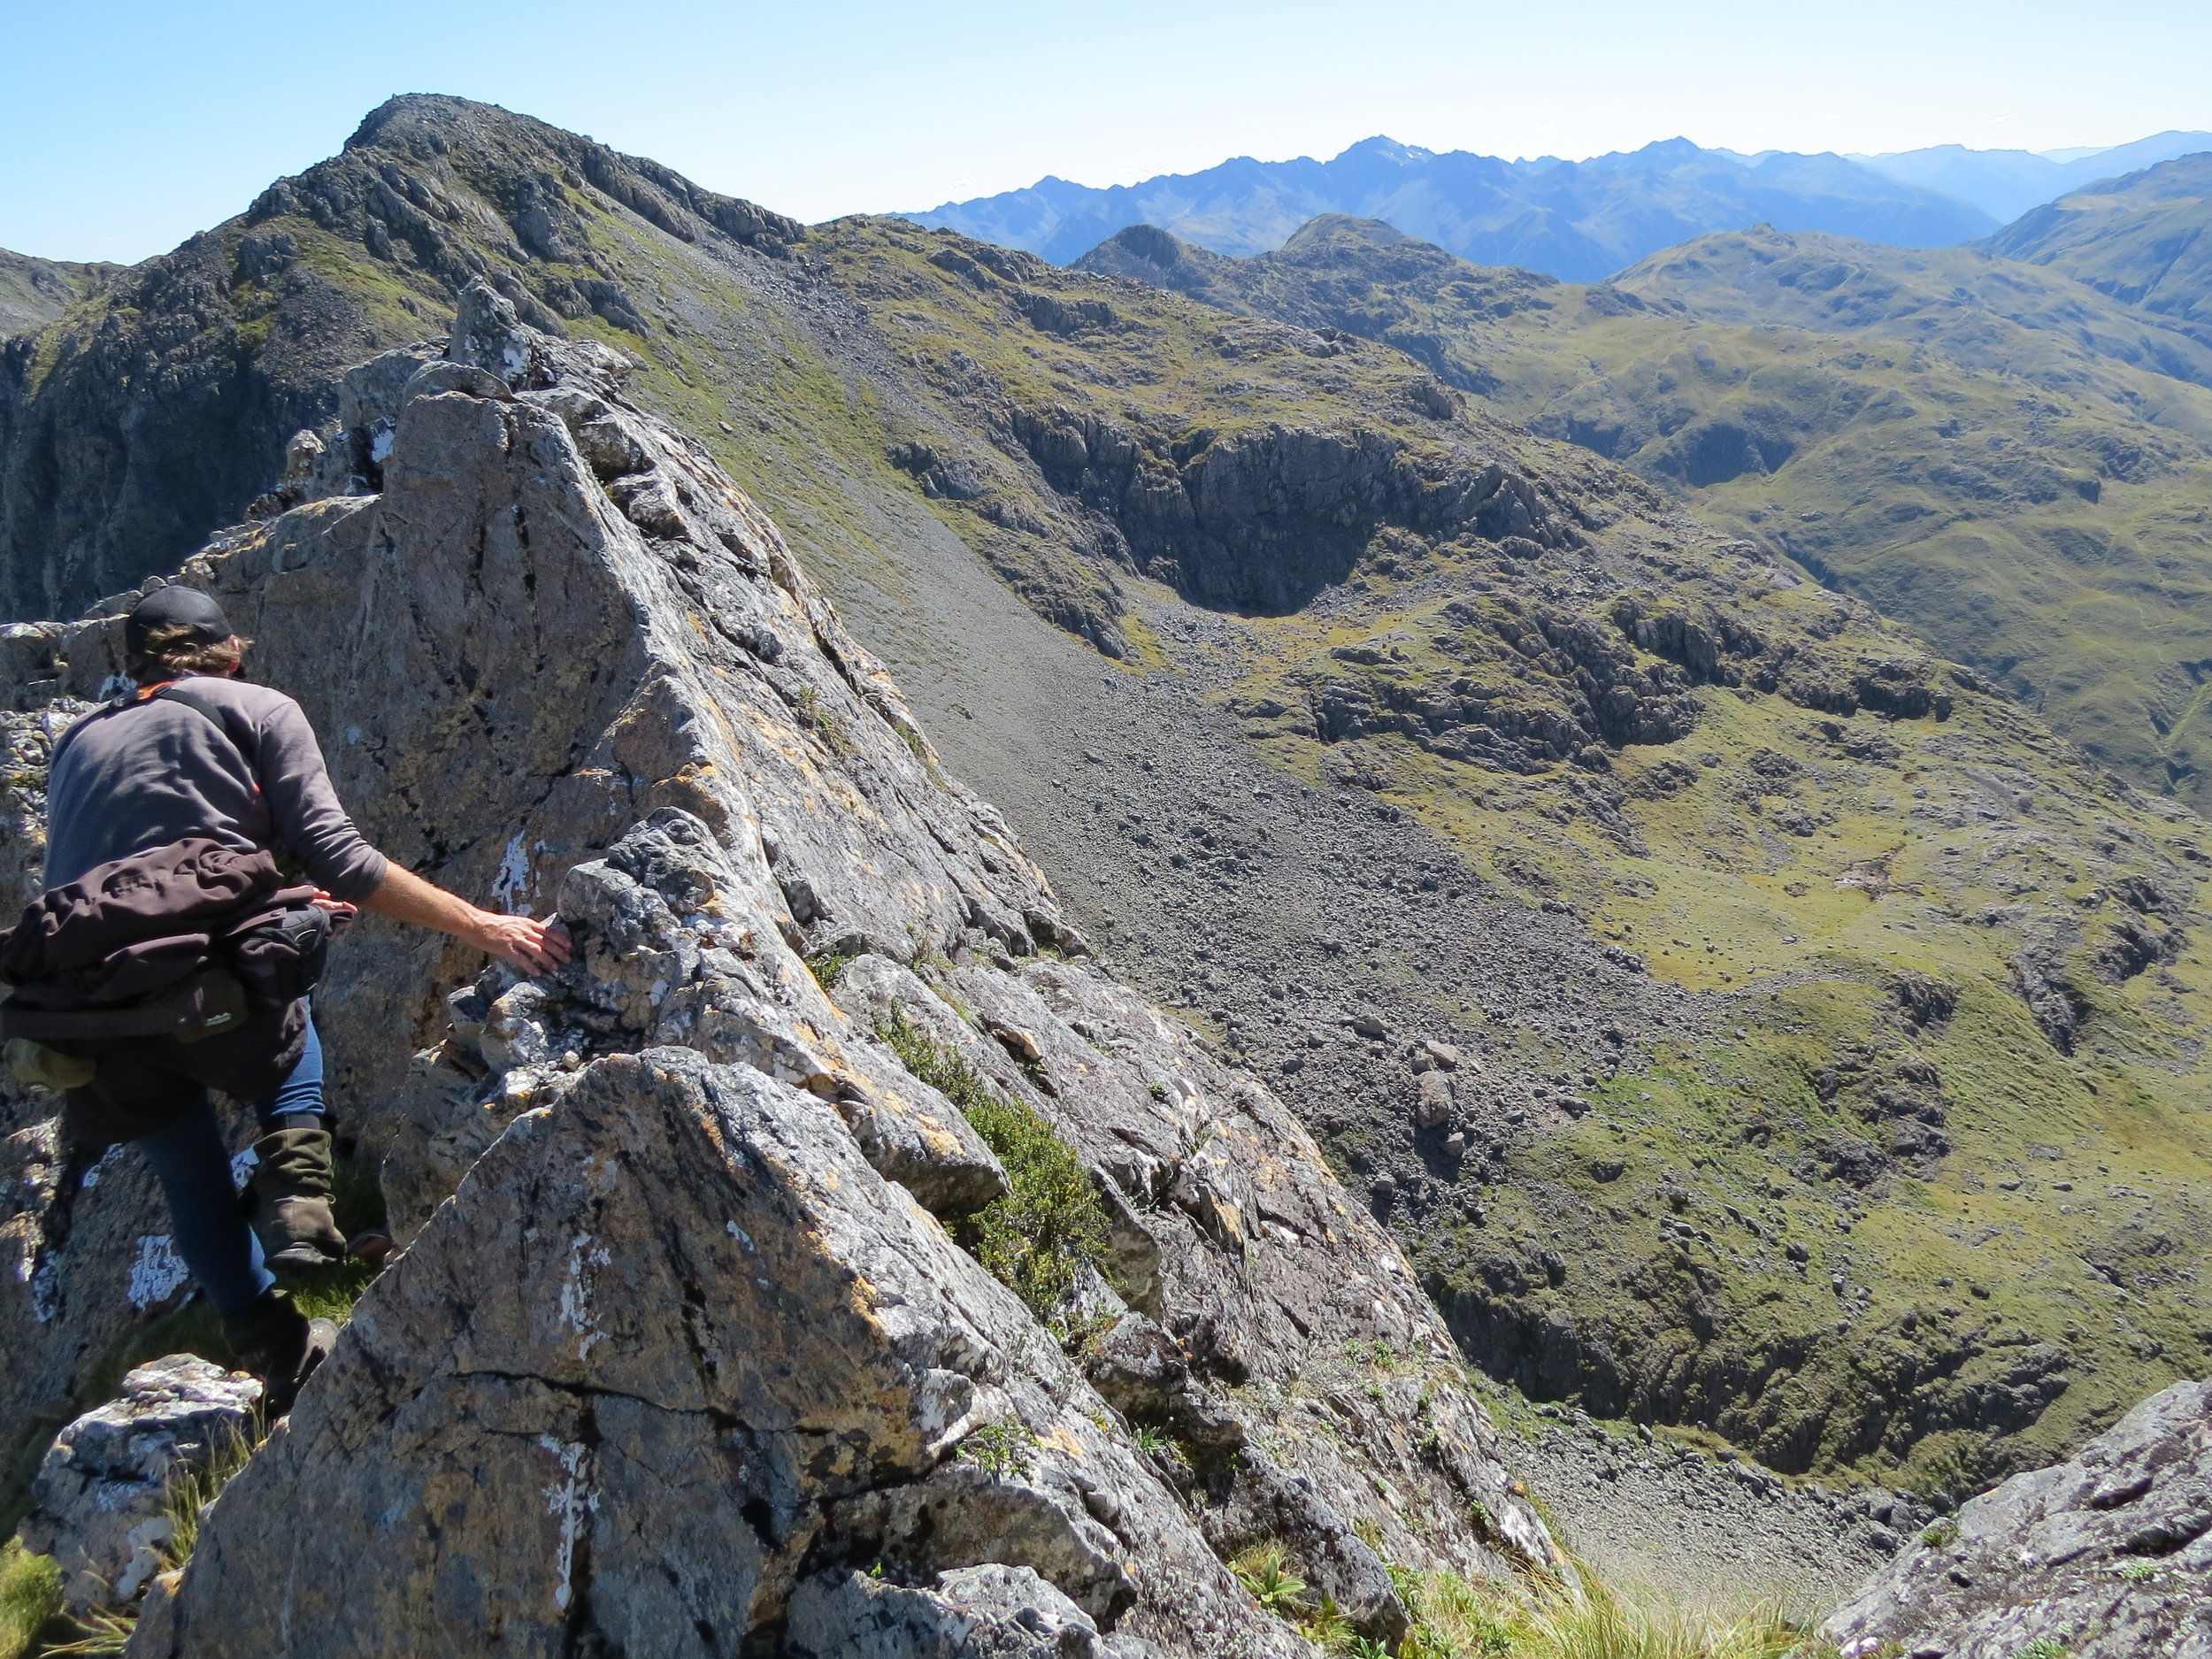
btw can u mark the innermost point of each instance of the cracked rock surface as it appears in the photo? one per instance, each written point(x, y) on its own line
point(2107, 1555)
point(679, 1367)
point(510, 658)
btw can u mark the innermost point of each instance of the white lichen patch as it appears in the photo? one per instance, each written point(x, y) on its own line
point(157, 1274)
point(585, 1254)
point(571, 1502)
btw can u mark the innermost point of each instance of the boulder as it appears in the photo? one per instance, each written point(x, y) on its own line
point(101, 1502)
point(2108, 1556)
point(989, 1612)
point(1432, 1100)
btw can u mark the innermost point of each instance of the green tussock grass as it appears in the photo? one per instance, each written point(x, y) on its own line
point(1457, 1617)
point(30, 1599)
point(1051, 1225)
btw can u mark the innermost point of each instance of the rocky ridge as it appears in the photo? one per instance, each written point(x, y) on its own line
point(34, 292)
point(1407, 804)
point(699, 1203)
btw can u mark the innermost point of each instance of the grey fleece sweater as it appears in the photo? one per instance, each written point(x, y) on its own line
point(136, 778)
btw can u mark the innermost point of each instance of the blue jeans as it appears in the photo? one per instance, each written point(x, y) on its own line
point(193, 1166)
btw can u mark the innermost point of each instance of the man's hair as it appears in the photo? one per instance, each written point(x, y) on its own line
point(175, 648)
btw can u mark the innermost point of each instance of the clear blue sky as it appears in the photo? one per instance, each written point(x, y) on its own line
point(126, 125)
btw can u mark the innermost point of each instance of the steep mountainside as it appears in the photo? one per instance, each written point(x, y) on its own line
point(106, 473)
point(692, 1360)
point(2010, 464)
point(2145, 238)
point(33, 292)
point(1576, 220)
point(1978, 309)
point(1696, 976)
point(2005, 183)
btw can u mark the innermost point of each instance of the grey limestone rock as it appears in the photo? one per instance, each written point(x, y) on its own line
point(99, 1504)
point(989, 1612)
point(672, 1341)
point(508, 670)
point(2108, 1556)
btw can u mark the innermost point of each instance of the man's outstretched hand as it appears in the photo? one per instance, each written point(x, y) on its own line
point(534, 946)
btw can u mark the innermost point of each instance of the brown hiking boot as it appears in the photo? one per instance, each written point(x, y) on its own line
point(292, 1188)
point(279, 1344)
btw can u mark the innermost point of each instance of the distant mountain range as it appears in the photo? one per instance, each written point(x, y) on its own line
point(1580, 221)
point(2005, 183)
point(2010, 454)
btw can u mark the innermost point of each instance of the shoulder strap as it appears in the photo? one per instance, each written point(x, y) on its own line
point(111, 706)
point(230, 721)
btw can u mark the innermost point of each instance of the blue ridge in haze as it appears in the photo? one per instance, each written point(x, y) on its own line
point(1580, 222)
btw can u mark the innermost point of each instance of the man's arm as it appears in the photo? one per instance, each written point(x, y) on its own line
point(534, 946)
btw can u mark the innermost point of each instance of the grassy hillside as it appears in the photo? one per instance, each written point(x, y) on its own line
point(2009, 464)
point(2141, 238)
point(1910, 1176)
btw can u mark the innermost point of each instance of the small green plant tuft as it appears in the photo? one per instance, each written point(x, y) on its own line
point(2139, 1572)
point(822, 723)
point(1155, 1441)
point(1001, 1450)
point(2042, 1647)
point(1377, 1353)
point(1265, 1570)
point(1036, 1239)
point(1942, 1535)
point(826, 966)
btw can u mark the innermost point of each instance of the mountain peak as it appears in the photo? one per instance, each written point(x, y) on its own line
point(1382, 149)
point(1348, 227)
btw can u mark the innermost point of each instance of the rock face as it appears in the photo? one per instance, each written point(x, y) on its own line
point(746, 1388)
point(100, 1503)
point(496, 599)
point(2104, 1556)
point(690, 1361)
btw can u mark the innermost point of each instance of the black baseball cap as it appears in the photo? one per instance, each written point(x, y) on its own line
point(175, 603)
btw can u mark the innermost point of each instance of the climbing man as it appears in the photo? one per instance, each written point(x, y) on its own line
point(197, 752)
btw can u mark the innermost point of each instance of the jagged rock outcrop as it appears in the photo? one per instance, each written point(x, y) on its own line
point(2108, 1556)
point(752, 1368)
point(510, 660)
point(697, 1273)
